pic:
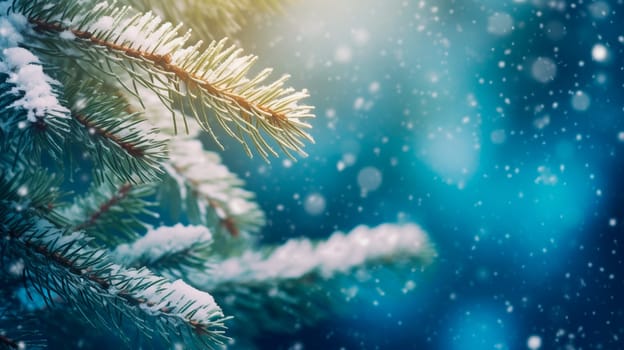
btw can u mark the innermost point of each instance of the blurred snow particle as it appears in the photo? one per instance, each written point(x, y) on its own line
point(621, 136)
point(359, 103)
point(17, 268)
point(373, 88)
point(22, 191)
point(544, 69)
point(498, 136)
point(409, 286)
point(314, 204)
point(546, 177)
point(599, 9)
point(340, 166)
point(534, 342)
point(500, 23)
point(343, 54)
point(349, 159)
point(360, 36)
point(612, 222)
point(297, 346)
point(599, 53)
point(541, 122)
point(330, 113)
point(369, 179)
point(580, 101)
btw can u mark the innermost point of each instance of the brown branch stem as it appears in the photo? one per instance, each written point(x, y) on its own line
point(129, 147)
point(105, 207)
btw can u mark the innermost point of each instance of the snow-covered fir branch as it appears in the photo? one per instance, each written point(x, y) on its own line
point(112, 210)
point(339, 254)
point(212, 81)
point(207, 191)
point(173, 251)
point(86, 279)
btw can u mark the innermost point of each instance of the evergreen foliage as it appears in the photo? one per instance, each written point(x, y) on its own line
point(101, 107)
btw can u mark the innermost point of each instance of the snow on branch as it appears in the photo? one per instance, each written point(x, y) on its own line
point(37, 88)
point(300, 282)
point(210, 83)
point(24, 69)
point(214, 186)
point(363, 246)
point(172, 250)
point(101, 291)
point(28, 96)
point(199, 183)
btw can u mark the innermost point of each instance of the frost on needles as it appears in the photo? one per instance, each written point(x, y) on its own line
point(115, 220)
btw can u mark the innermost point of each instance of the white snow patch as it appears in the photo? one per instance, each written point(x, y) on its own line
point(67, 35)
point(340, 253)
point(161, 241)
point(25, 72)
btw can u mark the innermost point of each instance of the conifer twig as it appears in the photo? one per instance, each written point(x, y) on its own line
point(68, 266)
point(209, 84)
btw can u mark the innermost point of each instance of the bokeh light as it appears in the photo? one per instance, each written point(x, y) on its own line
point(497, 126)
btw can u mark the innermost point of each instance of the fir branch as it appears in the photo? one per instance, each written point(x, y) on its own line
point(289, 283)
point(84, 277)
point(33, 120)
point(33, 117)
point(112, 214)
point(172, 251)
point(117, 139)
point(211, 187)
point(30, 186)
point(199, 185)
point(339, 254)
point(209, 84)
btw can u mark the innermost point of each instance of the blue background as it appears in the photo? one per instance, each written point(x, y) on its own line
point(494, 127)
